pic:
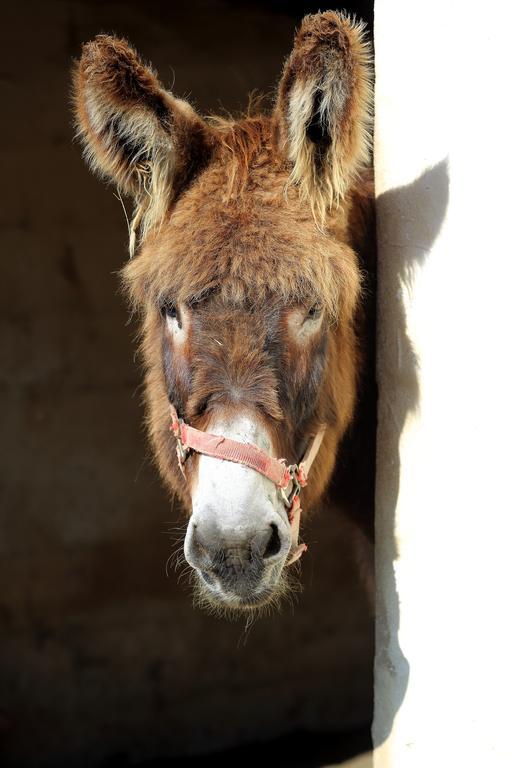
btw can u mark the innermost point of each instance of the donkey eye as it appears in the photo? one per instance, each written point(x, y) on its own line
point(314, 312)
point(171, 312)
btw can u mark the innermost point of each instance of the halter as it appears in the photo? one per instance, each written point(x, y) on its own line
point(289, 479)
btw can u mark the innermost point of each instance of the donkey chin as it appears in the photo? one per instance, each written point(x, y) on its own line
point(238, 538)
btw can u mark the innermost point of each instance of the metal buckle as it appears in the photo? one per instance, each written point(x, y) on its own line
point(296, 487)
point(181, 450)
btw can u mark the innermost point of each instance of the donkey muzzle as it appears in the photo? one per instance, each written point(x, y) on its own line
point(238, 564)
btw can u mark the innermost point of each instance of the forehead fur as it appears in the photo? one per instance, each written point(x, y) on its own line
point(242, 230)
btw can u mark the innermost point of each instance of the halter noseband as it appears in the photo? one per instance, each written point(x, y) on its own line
point(289, 479)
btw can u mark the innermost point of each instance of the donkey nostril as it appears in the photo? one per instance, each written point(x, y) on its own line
point(273, 544)
point(207, 578)
point(196, 554)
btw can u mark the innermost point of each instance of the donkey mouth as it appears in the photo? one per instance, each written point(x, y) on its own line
point(235, 604)
point(237, 597)
point(254, 601)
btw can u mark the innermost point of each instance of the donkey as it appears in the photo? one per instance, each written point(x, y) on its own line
point(245, 263)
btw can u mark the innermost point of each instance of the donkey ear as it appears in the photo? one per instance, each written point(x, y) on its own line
point(134, 132)
point(323, 108)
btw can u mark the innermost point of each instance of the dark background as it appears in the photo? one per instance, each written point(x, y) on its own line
point(103, 660)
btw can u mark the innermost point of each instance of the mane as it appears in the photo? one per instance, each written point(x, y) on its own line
point(242, 142)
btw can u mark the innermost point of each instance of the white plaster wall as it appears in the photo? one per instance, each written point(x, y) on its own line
point(444, 479)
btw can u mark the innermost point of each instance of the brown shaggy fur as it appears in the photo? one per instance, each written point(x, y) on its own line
point(323, 108)
point(242, 221)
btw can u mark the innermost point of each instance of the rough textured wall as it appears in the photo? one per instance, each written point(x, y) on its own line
point(100, 652)
point(442, 169)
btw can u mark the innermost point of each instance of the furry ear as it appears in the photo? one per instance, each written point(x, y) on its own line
point(323, 108)
point(134, 132)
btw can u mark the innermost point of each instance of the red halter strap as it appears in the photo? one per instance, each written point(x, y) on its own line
point(290, 479)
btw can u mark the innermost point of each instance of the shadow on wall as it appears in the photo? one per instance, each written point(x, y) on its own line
point(409, 219)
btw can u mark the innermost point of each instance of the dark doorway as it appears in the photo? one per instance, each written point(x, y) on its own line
point(103, 661)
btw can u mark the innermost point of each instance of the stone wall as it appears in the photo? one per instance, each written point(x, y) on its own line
point(442, 169)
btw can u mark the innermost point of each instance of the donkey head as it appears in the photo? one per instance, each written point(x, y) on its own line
point(244, 271)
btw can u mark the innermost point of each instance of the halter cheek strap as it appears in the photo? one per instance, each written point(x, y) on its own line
point(290, 479)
